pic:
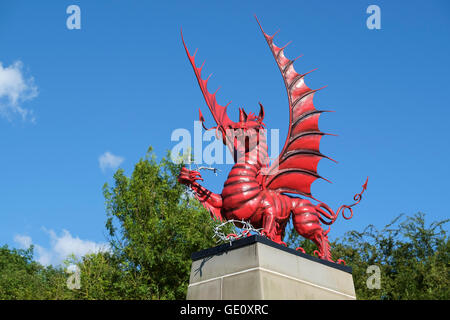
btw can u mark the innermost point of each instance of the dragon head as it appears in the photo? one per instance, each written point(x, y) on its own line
point(242, 136)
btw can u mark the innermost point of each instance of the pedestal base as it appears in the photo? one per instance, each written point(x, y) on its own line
point(256, 268)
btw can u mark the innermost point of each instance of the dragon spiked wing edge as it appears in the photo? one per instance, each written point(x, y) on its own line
point(295, 169)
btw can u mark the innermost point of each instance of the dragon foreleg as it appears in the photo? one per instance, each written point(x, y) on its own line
point(210, 200)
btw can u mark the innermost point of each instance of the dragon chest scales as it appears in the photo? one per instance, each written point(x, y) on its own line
point(241, 190)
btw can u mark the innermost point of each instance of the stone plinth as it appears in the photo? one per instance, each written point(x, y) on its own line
point(256, 268)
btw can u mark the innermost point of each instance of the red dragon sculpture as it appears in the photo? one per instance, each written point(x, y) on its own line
point(255, 190)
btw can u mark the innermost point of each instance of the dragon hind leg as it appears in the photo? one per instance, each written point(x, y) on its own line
point(321, 240)
point(307, 224)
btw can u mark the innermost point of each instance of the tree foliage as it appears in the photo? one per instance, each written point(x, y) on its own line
point(153, 226)
point(413, 258)
point(23, 278)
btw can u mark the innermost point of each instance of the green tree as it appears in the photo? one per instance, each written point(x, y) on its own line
point(153, 227)
point(413, 258)
point(23, 278)
point(101, 277)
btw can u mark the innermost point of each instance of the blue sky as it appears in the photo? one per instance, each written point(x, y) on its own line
point(123, 83)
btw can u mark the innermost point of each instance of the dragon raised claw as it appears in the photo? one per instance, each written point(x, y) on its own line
point(255, 190)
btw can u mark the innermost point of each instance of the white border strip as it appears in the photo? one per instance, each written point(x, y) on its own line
point(273, 272)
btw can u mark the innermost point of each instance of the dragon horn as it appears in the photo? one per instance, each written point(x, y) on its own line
point(261, 112)
point(202, 119)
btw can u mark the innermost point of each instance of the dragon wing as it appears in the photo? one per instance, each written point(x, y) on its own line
point(219, 112)
point(295, 169)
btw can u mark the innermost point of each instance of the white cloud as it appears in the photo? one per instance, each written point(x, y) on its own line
point(23, 241)
point(15, 88)
point(61, 247)
point(66, 245)
point(45, 256)
point(109, 161)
